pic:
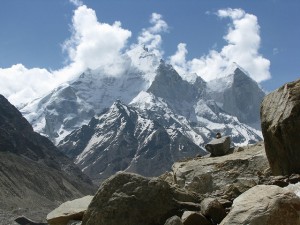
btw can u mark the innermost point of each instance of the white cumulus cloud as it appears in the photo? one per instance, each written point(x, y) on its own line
point(94, 44)
point(91, 45)
point(243, 43)
point(98, 45)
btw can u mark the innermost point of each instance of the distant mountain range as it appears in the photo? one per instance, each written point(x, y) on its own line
point(147, 118)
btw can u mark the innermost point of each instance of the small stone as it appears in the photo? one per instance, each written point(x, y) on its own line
point(194, 218)
point(174, 220)
point(212, 208)
point(218, 147)
point(294, 178)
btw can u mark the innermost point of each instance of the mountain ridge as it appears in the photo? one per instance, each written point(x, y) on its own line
point(154, 91)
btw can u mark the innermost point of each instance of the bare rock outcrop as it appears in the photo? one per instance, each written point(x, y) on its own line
point(264, 205)
point(280, 122)
point(130, 199)
point(228, 176)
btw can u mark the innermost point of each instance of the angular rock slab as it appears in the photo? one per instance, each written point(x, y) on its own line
point(70, 210)
point(218, 147)
point(265, 205)
point(280, 122)
point(130, 199)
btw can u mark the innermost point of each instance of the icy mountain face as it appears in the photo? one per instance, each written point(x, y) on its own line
point(73, 104)
point(237, 94)
point(159, 127)
point(123, 139)
point(193, 108)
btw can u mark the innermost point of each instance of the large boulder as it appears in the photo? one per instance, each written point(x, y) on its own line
point(280, 121)
point(218, 146)
point(265, 205)
point(226, 176)
point(70, 210)
point(130, 199)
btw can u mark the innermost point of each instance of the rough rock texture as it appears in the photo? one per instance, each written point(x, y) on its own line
point(218, 147)
point(226, 176)
point(194, 218)
point(130, 199)
point(32, 170)
point(265, 205)
point(70, 210)
point(280, 121)
point(212, 208)
point(174, 220)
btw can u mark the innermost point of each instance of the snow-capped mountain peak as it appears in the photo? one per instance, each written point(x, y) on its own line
point(145, 118)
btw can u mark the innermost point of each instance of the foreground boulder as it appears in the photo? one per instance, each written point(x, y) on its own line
point(265, 205)
point(130, 199)
point(71, 210)
point(280, 121)
point(219, 146)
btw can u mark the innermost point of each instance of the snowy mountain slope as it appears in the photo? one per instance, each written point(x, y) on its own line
point(162, 117)
point(123, 139)
point(237, 94)
point(200, 117)
point(73, 104)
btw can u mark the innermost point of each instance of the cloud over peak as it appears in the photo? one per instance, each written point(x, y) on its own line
point(94, 44)
point(151, 37)
point(97, 45)
point(243, 43)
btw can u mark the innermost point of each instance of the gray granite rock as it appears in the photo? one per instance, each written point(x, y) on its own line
point(265, 205)
point(130, 199)
point(280, 122)
point(218, 146)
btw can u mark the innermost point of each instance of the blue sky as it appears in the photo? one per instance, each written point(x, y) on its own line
point(33, 33)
